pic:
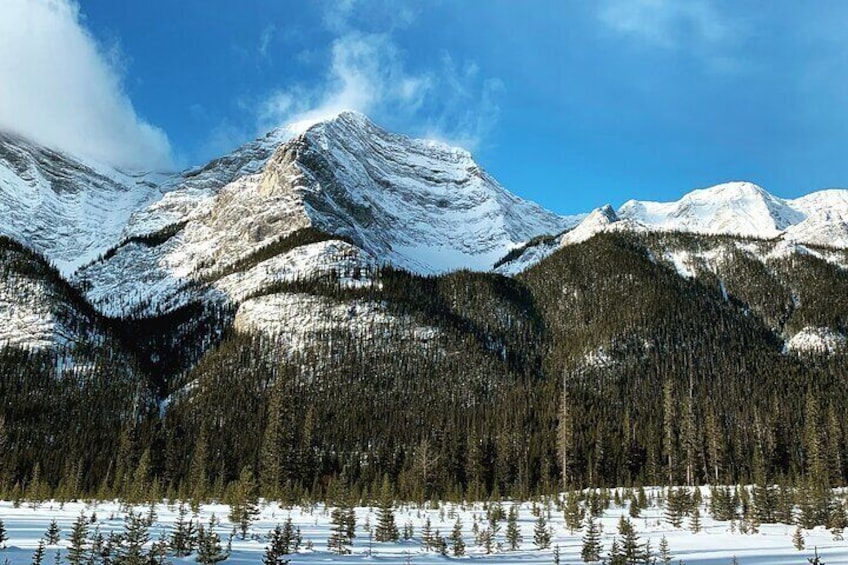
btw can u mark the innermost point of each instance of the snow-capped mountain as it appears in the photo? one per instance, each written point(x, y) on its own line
point(68, 210)
point(745, 209)
point(382, 198)
point(38, 309)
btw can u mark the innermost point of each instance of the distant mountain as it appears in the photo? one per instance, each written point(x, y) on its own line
point(738, 209)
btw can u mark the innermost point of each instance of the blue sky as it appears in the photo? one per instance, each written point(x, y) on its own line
point(573, 104)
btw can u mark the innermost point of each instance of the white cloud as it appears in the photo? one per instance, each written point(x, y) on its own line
point(60, 88)
point(668, 23)
point(368, 74)
point(265, 39)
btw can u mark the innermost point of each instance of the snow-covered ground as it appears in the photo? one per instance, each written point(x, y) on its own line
point(717, 543)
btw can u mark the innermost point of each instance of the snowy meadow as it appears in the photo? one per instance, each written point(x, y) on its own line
point(543, 531)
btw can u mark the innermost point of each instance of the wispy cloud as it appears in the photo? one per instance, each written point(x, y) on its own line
point(265, 39)
point(368, 72)
point(669, 24)
point(63, 89)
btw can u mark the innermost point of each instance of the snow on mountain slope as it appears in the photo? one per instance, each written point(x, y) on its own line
point(415, 204)
point(740, 209)
point(35, 310)
point(296, 320)
point(67, 210)
point(735, 208)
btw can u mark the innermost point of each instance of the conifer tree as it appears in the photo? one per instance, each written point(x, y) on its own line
point(209, 549)
point(134, 539)
point(338, 542)
point(38, 554)
point(798, 538)
point(513, 532)
point(457, 543)
point(675, 507)
point(278, 547)
point(52, 536)
point(634, 510)
point(541, 533)
point(77, 542)
point(591, 549)
point(3, 535)
point(427, 535)
point(245, 507)
point(631, 548)
point(183, 535)
point(573, 513)
point(665, 551)
point(270, 468)
point(695, 521)
point(386, 530)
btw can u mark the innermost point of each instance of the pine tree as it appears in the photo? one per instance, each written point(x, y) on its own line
point(541, 533)
point(634, 510)
point(270, 468)
point(209, 549)
point(665, 551)
point(77, 542)
point(457, 543)
point(695, 521)
point(134, 539)
point(615, 556)
point(675, 506)
point(573, 513)
point(291, 540)
point(245, 507)
point(387, 530)
point(631, 548)
point(427, 535)
point(513, 532)
point(183, 536)
point(38, 554)
point(52, 536)
point(556, 555)
point(564, 433)
point(591, 550)
point(338, 542)
point(798, 538)
point(3, 536)
point(836, 522)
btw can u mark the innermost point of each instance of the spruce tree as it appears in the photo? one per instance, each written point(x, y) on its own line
point(541, 533)
point(245, 507)
point(695, 521)
point(513, 531)
point(387, 530)
point(38, 554)
point(798, 538)
point(631, 548)
point(427, 535)
point(665, 551)
point(134, 539)
point(209, 549)
point(573, 513)
point(183, 535)
point(591, 549)
point(3, 536)
point(457, 543)
point(77, 542)
point(53, 534)
point(338, 542)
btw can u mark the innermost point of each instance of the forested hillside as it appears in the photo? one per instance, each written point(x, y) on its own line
point(603, 365)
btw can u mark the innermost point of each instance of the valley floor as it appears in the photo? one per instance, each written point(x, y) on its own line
point(715, 544)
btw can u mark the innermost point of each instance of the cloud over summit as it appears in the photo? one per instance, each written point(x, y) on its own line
point(62, 89)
